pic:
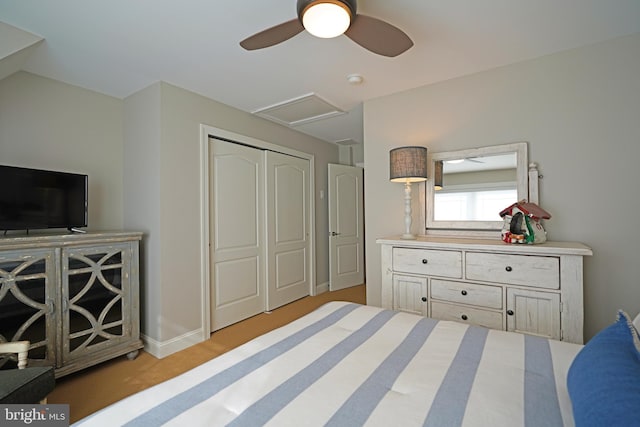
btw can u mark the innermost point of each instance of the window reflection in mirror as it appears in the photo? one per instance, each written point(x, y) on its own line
point(477, 184)
point(476, 188)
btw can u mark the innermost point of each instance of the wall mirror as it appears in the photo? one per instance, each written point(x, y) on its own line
point(467, 189)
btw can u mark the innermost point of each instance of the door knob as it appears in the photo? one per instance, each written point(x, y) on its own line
point(333, 233)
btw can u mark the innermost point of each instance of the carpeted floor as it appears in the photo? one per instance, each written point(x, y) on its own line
point(94, 388)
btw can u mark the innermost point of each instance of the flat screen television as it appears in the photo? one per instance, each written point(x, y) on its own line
point(37, 199)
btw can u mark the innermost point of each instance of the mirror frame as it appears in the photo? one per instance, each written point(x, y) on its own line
point(522, 172)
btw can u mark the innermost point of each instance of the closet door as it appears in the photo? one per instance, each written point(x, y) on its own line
point(288, 228)
point(237, 228)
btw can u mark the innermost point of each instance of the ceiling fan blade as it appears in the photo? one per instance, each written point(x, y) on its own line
point(272, 36)
point(378, 36)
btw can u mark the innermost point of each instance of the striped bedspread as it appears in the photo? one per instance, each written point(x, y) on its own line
point(348, 365)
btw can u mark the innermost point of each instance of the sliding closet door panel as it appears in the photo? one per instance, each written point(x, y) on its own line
point(237, 191)
point(237, 229)
point(290, 269)
point(245, 273)
point(288, 222)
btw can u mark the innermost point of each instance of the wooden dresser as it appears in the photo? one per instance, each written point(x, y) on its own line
point(534, 289)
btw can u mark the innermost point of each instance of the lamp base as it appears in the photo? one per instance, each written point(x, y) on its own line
point(409, 236)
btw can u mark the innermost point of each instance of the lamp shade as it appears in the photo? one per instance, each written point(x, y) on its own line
point(437, 175)
point(408, 164)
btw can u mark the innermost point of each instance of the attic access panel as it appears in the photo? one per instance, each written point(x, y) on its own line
point(298, 111)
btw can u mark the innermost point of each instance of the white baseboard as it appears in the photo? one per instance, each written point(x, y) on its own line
point(161, 349)
point(322, 288)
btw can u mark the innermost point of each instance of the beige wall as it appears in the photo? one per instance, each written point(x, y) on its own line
point(142, 158)
point(173, 213)
point(141, 164)
point(46, 124)
point(579, 111)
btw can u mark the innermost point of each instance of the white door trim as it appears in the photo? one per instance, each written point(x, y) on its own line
point(207, 131)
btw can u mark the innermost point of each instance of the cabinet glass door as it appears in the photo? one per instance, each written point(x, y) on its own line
point(96, 290)
point(26, 304)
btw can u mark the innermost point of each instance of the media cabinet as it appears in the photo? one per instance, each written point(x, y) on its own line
point(74, 296)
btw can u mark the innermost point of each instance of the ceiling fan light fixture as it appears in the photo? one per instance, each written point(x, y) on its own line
point(326, 18)
point(330, 18)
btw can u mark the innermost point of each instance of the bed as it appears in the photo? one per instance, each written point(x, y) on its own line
point(347, 364)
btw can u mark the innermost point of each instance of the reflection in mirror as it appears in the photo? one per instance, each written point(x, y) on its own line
point(474, 185)
point(475, 188)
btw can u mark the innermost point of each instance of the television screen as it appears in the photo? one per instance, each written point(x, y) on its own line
point(35, 199)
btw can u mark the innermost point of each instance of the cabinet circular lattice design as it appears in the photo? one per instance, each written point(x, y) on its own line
point(534, 289)
point(75, 297)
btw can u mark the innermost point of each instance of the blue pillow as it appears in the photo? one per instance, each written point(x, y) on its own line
point(604, 378)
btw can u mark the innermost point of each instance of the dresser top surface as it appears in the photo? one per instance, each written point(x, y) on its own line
point(50, 239)
point(432, 242)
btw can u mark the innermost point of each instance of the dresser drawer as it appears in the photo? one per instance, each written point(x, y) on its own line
point(467, 293)
point(473, 316)
point(527, 270)
point(428, 262)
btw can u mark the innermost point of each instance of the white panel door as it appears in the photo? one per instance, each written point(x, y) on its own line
point(346, 227)
point(288, 228)
point(237, 228)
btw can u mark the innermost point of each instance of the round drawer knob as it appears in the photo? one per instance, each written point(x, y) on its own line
point(464, 317)
point(424, 299)
point(424, 261)
point(509, 268)
point(463, 292)
point(510, 312)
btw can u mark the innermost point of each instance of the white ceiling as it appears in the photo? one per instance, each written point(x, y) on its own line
point(118, 47)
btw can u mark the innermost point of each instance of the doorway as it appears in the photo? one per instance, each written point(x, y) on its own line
point(346, 226)
point(260, 227)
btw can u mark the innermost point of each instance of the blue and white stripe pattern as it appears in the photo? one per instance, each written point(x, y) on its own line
point(350, 365)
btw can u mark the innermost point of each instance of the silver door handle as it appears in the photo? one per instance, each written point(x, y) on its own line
point(333, 233)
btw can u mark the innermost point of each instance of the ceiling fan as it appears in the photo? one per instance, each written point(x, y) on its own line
point(331, 18)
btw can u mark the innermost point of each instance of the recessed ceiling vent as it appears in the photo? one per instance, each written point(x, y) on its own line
point(299, 111)
point(347, 142)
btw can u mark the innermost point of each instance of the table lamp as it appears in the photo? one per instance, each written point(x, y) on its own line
point(407, 165)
